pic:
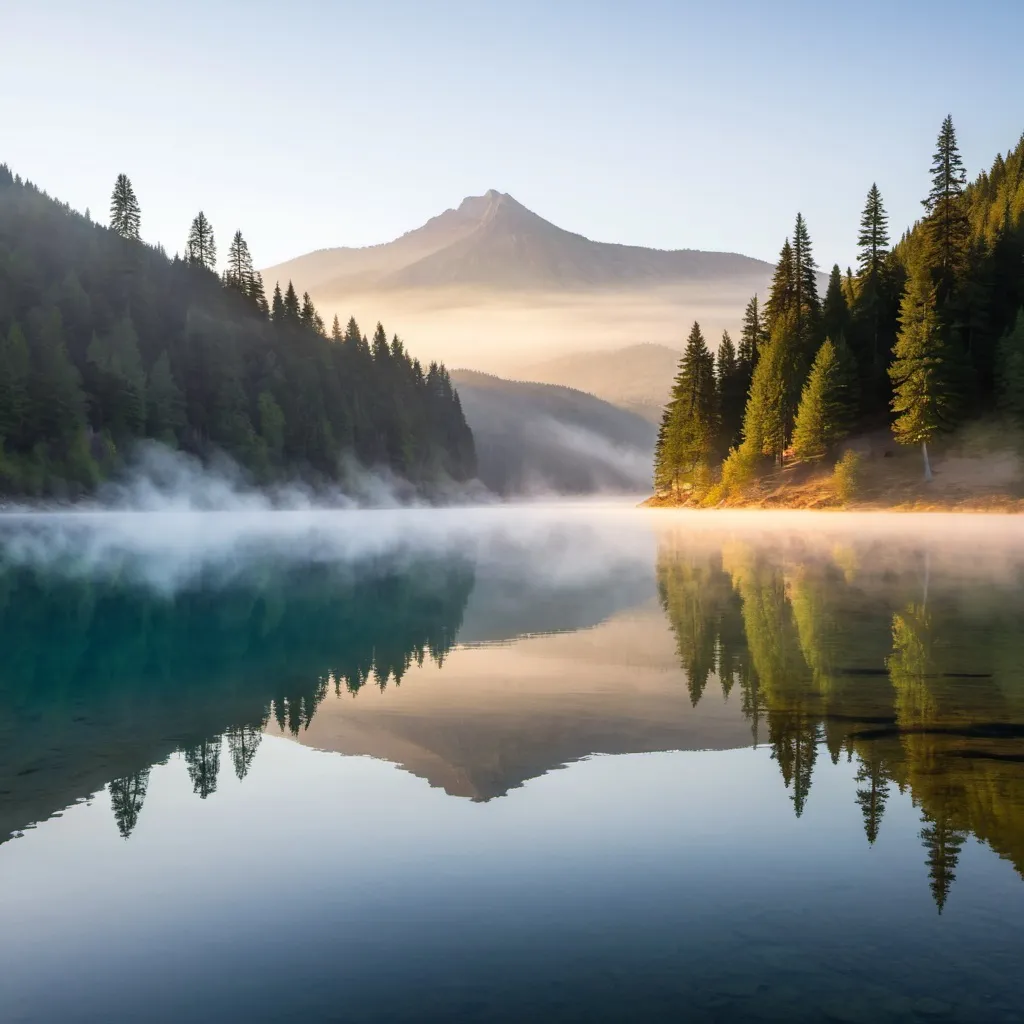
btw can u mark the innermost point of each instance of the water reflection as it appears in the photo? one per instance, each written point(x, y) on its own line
point(103, 678)
point(872, 654)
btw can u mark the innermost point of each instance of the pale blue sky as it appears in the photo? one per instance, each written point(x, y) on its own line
point(671, 124)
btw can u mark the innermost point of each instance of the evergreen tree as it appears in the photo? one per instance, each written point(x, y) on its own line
point(336, 334)
point(258, 295)
point(835, 313)
point(947, 229)
point(765, 426)
point(1011, 370)
point(200, 247)
point(277, 311)
point(924, 399)
point(243, 742)
point(873, 240)
point(805, 283)
point(782, 294)
point(292, 310)
point(125, 215)
point(239, 275)
point(753, 337)
point(690, 421)
point(307, 311)
point(732, 392)
point(824, 416)
point(14, 387)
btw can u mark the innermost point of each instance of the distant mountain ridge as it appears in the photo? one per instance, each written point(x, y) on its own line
point(495, 242)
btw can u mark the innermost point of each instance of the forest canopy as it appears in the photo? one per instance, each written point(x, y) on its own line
point(922, 336)
point(105, 341)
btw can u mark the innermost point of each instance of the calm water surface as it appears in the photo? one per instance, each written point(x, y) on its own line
point(574, 763)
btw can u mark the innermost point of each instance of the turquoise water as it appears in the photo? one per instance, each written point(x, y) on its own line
point(559, 763)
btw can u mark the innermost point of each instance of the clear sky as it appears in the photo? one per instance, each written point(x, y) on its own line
point(666, 123)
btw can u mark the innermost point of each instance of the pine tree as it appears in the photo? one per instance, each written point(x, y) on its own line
point(200, 247)
point(239, 275)
point(947, 228)
point(257, 294)
point(824, 416)
point(292, 310)
point(765, 417)
point(690, 422)
point(1011, 370)
point(835, 313)
point(782, 294)
point(307, 312)
point(753, 336)
point(336, 334)
point(805, 276)
point(732, 392)
point(873, 240)
point(125, 215)
point(14, 387)
point(922, 370)
point(277, 311)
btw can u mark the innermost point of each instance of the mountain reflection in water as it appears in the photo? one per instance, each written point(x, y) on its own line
point(870, 669)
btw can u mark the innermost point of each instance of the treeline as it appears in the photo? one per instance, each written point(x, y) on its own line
point(850, 652)
point(104, 340)
point(924, 335)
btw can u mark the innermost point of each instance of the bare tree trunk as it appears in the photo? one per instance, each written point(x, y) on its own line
point(927, 464)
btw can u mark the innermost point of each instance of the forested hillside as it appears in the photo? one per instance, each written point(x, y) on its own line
point(924, 336)
point(105, 340)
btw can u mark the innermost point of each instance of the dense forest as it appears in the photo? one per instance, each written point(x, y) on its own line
point(104, 340)
point(846, 652)
point(923, 336)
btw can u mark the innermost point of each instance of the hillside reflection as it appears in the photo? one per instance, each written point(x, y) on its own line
point(102, 678)
point(908, 667)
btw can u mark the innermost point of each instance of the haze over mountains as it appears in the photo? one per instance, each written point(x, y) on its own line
point(492, 286)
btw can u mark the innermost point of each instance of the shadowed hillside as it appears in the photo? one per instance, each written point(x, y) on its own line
point(540, 438)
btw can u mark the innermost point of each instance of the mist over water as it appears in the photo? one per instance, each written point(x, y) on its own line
point(510, 761)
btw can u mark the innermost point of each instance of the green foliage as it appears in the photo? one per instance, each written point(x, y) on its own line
point(732, 381)
point(200, 246)
point(923, 370)
point(689, 425)
point(947, 228)
point(835, 312)
point(97, 351)
point(765, 420)
point(846, 475)
point(125, 215)
point(827, 403)
point(873, 240)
